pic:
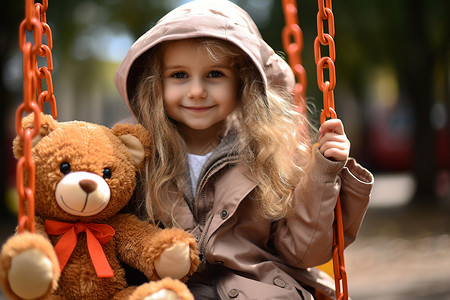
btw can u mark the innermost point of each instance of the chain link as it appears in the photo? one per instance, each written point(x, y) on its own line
point(340, 274)
point(45, 51)
point(34, 23)
point(292, 37)
point(326, 39)
point(325, 15)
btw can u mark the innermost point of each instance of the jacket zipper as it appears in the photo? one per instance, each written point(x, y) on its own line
point(202, 254)
point(201, 192)
point(218, 165)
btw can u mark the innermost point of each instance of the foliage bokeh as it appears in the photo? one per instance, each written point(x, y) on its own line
point(393, 66)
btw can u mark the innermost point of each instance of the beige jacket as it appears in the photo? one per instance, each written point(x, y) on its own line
point(245, 256)
point(260, 259)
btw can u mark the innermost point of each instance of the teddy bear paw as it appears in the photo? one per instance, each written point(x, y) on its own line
point(30, 274)
point(164, 289)
point(174, 262)
point(164, 294)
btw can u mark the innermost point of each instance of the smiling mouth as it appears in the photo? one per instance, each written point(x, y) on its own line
point(198, 108)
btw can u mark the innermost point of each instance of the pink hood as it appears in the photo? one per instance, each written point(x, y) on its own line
point(205, 18)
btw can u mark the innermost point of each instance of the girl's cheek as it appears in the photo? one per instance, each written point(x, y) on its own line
point(170, 93)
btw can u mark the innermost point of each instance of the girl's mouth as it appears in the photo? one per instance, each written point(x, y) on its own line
point(198, 108)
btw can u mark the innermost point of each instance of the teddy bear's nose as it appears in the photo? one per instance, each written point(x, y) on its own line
point(88, 185)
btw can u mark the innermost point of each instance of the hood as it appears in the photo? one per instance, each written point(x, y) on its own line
point(220, 19)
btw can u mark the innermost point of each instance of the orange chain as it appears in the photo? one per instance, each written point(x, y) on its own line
point(35, 23)
point(340, 275)
point(292, 37)
point(325, 16)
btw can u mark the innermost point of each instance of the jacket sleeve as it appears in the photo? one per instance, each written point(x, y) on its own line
point(305, 238)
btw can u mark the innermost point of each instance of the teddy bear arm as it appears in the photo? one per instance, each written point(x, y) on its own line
point(141, 244)
point(180, 259)
point(171, 252)
point(130, 236)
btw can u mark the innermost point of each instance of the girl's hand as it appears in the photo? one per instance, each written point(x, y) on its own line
point(333, 143)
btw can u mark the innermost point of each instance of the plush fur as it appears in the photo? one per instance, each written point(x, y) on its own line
point(111, 156)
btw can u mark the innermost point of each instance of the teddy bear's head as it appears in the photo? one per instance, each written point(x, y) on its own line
point(84, 172)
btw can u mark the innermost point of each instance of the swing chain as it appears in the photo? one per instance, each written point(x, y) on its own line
point(340, 274)
point(325, 16)
point(34, 23)
point(292, 37)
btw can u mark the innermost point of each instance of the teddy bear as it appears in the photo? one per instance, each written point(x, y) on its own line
point(85, 175)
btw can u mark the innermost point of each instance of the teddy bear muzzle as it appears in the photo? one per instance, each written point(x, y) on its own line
point(82, 193)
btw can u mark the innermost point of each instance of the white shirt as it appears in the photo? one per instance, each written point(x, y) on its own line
point(196, 163)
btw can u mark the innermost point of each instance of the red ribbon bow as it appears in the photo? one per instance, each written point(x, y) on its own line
point(97, 235)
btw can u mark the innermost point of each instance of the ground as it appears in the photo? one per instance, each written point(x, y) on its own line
point(401, 253)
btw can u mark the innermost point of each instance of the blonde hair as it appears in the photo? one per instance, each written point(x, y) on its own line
point(269, 140)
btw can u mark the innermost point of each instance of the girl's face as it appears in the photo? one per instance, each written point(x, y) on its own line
point(199, 92)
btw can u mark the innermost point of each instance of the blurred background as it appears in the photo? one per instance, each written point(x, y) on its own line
point(392, 93)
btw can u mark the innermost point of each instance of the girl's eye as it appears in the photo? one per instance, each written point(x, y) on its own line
point(215, 74)
point(107, 173)
point(64, 168)
point(179, 75)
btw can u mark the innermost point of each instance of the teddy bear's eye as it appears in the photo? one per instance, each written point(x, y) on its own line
point(107, 173)
point(64, 168)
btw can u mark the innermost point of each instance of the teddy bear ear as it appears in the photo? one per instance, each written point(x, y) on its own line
point(48, 124)
point(136, 139)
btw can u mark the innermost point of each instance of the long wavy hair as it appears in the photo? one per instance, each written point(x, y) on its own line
point(273, 139)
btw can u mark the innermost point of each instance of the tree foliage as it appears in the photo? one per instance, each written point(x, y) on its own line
point(410, 38)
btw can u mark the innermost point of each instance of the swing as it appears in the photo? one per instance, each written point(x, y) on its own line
point(35, 23)
point(293, 45)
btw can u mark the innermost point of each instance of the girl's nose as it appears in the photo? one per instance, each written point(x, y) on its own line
point(197, 90)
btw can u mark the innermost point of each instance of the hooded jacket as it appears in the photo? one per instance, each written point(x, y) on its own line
point(245, 256)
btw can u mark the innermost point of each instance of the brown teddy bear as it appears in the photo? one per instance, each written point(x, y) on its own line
point(85, 175)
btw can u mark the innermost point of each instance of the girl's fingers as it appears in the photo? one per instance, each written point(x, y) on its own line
point(331, 136)
point(334, 146)
point(332, 125)
point(333, 142)
point(336, 154)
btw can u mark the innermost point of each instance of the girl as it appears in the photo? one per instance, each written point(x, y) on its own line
point(232, 160)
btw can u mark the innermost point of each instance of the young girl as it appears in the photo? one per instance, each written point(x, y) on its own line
point(232, 160)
